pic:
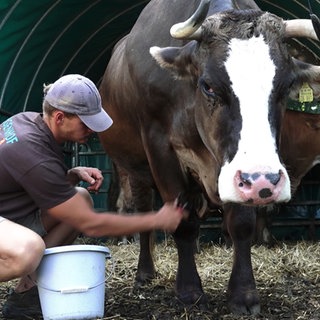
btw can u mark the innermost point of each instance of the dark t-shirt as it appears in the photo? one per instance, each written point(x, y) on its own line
point(32, 169)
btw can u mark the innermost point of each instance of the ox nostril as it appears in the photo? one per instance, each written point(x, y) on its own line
point(248, 179)
point(274, 178)
point(245, 179)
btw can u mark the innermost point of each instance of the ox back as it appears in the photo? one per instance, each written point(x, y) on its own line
point(199, 113)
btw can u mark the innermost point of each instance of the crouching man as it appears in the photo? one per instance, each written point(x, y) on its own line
point(40, 205)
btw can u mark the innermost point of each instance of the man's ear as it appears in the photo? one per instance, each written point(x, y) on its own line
point(59, 117)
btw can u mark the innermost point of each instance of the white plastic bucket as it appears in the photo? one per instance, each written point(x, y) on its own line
point(71, 282)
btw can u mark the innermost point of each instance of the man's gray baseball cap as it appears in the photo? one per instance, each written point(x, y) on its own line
point(76, 94)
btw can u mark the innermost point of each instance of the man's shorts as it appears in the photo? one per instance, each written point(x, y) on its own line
point(32, 221)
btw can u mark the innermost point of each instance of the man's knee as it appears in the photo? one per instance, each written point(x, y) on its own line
point(24, 258)
point(29, 255)
point(86, 195)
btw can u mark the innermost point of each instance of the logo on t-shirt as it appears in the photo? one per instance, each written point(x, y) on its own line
point(8, 132)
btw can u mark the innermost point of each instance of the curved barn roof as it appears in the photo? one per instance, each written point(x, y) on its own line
point(44, 39)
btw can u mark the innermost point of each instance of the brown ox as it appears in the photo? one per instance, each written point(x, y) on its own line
point(199, 113)
point(300, 151)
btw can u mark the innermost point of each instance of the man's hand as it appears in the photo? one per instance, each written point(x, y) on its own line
point(93, 176)
point(170, 216)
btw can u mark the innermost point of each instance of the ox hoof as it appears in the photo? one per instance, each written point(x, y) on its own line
point(194, 299)
point(248, 304)
point(143, 279)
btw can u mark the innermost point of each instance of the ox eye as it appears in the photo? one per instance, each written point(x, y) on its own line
point(206, 90)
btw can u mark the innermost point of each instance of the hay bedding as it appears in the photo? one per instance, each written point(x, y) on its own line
point(287, 277)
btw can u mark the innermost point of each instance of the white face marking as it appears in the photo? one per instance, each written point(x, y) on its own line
point(251, 71)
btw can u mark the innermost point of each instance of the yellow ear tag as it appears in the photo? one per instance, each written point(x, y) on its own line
point(305, 93)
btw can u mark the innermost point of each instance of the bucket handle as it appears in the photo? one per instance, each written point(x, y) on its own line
point(71, 290)
point(80, 289)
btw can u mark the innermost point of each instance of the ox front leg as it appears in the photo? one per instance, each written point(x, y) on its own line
point(242, 295)
point(188, 283)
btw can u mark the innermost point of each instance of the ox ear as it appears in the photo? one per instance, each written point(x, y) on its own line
point(178, 60)
point(307, 81)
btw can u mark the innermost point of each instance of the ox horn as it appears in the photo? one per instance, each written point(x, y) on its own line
point(188, 28)
point(301, 28)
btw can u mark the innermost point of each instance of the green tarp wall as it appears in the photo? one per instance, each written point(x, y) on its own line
point(40, 40)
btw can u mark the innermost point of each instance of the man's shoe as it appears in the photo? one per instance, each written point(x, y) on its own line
point(25, 305)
